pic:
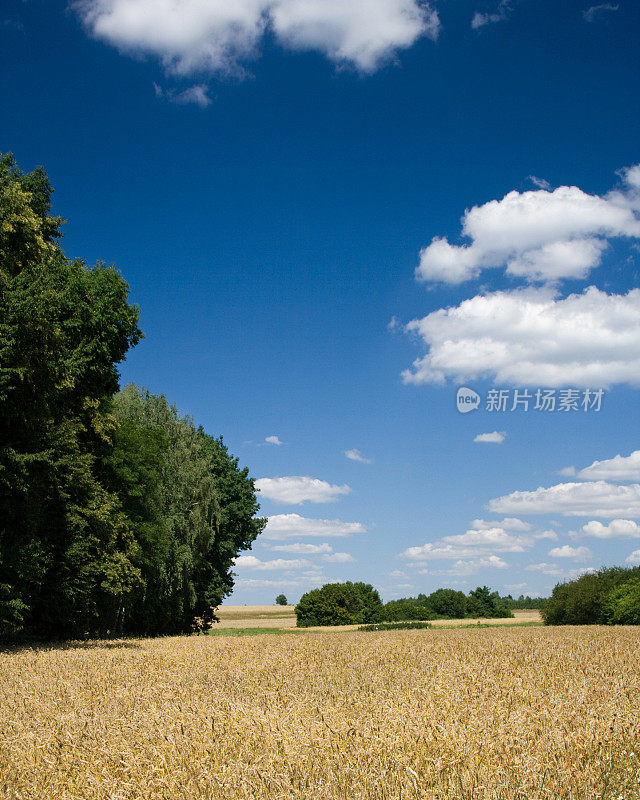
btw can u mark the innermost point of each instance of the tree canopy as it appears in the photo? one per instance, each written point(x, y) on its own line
point(116, 515)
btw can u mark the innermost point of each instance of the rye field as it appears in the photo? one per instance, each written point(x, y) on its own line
point(503, 713)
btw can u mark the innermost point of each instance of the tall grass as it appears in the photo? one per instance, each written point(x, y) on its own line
point(500, 714)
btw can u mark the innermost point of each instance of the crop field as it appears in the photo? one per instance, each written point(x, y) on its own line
point(502, 713)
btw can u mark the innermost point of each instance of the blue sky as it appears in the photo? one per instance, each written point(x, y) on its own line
point(289, 185)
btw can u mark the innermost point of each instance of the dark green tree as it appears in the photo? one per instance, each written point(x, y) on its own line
point(339, 604)
point(596, 598)
point(65, 554)
point(281, 600)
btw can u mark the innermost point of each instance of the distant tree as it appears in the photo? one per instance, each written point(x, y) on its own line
point(448, 603)
point(281, 600)
point(339, 604)
point(482, 602)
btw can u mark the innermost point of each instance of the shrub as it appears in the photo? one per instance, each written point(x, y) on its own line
point(395, 626)
point(448, 603)
point(622, 606)
point(406, 609)
point(597, 598)
point(339, 604)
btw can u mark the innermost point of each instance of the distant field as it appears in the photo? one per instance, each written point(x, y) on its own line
point(443, 714)
point(284, 617)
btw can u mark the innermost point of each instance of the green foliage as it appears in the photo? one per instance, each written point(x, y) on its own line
point(524, 602)
point(448, 603)
point(622, 606)
point(116, 515)
point(281, 600)
point(482, 602)
point(597, 598)
point(407, 609)
point(65, 554)
point(339, 604)
point(190, 507)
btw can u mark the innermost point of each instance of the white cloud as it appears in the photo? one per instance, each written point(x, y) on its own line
point(527, 337)
point(356, 455)
point(567, 472)
point(618, 468)
point(251, 562)
point(292, 526)
point(591, 499)
point(543, 236)
point(339, 558)
point(566, 551)
point(616, 529)
point(463, 568)
point(476, 543)
point(558, 571)
point(218, 36)
point(508, 523)
point(496, 437)
point(480, 19)
point(592, 13)
point(273, 440)
point(633, 558)
point(297, 489)
point(303, 548)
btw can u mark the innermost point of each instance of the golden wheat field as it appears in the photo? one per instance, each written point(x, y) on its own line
point(520, 713)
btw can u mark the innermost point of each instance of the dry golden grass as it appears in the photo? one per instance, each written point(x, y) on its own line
point(506, 714)
point(255, 617)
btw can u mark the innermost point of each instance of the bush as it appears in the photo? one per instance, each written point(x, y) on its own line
point(448, 603)
point(609, 596)
point(339, 604)
point(406, 609)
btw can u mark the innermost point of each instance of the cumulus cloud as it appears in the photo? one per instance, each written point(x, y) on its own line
point(251, 562)
point(292, 526)
point(303, 548)
point(194, 37)
point(527, 337)
point(592, 13)
point(618, 468)
point(495, 437)
point(356, 455)
point(297, 489)
point(477, 542)
point(633, 558)
point(339, 558)
point(541, 236)
point(508, 524)
point(590, 499)
point(273, 440)
point(616, 529)
point(566, 551)
point(557, 571)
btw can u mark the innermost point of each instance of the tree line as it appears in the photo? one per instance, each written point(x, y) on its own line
point(117, 515)
point(359, 603)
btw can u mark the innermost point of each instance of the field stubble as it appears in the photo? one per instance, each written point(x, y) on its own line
point(505, 714)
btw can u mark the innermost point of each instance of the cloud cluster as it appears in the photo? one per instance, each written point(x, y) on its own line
point(589, 499)
point(541, 236)
point(480, 543)
point(281, 527)
point(217, 36)
point(297, 489)
point(618, 468)
point(528, 337)
point(616, 529)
